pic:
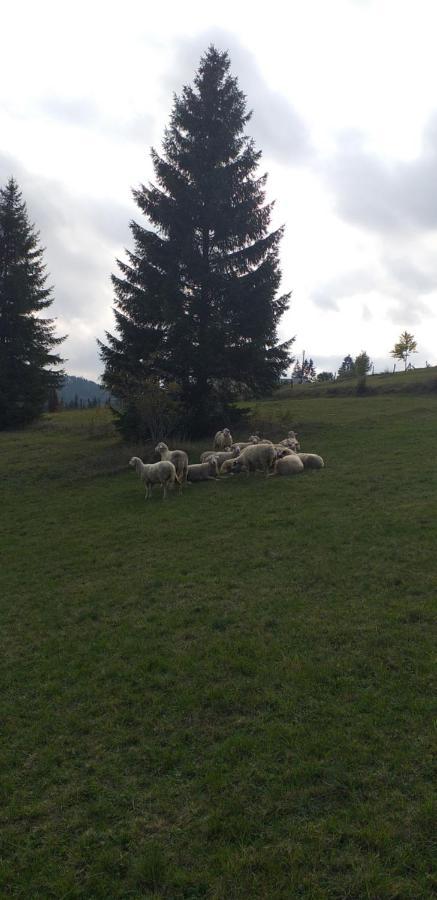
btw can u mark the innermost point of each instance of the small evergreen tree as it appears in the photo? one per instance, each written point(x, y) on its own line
point(197, 302)
point(325, 376)
point(362, 364)
point(347, 368)
point(304, 371)
point(404, 347)
point(26, 339)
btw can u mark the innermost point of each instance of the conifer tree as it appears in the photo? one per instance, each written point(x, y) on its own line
point(304, 371)
point(362, 364)
point(26, 339)
point(347, 368)
point(196, 303)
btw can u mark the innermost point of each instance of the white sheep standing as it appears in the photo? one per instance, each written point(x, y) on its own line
point(291, 441)
point(206, 471)
point(311, 460)
point(179, 459)
point(255, 456)
point(288, 465)
point(163, 473)
point(223, 440)
point(228, 439)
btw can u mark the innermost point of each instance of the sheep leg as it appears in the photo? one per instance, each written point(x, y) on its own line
point(164, 490)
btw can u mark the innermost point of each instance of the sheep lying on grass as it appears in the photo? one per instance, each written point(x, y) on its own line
point(311, 460)
point(232, 466)
point(282, 451)
point(288, 465)
point(163, 473)
point(179, 459)
point(206, 471)
point(253, 440)
point(221, 456)
point(223, 439)
point(256, 439)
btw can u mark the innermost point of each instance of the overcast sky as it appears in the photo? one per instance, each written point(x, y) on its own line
point(344, 100)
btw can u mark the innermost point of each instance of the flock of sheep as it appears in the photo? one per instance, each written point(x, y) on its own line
point(226, 458)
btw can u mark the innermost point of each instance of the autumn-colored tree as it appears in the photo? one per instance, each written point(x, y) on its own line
point(404, 347)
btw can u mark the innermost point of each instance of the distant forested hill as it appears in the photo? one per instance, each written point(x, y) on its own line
point(83, 391)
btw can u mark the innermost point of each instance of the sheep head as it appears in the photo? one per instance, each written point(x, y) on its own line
point(160, 447)
point(213, 464)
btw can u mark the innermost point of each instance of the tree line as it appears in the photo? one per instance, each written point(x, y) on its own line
point(304, 371)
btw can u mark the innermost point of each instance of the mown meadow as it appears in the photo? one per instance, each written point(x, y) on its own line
point(227, 695)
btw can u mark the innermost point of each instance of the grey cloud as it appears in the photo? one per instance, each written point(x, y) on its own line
point(405, 283)
point(82, 238)
point(72, 111)
point(410, 311)
point(350, 284)
point(409, 275)
point(276, 127)
point(86, 361)
point(385, 198)
point(82, 112)
point(323, 296)
point(140, 129)
point(410, 280)
point(396, 203)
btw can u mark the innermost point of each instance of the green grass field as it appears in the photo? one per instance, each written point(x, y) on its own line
point(228, 695)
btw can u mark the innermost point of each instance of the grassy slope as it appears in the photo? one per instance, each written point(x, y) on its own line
point(228, 695)
point(412, 382)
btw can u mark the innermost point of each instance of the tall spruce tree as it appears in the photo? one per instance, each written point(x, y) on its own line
point(26, 339)
point(196, 303)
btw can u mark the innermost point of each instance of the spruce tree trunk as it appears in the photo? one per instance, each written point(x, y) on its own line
point(202, 377)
